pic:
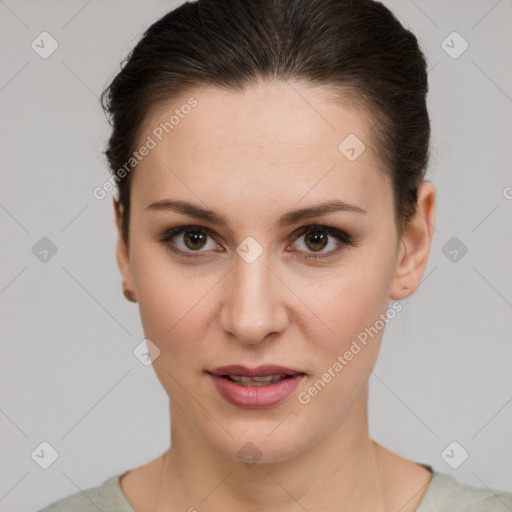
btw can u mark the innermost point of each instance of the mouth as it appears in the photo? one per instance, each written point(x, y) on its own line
point(267, 374)
point(255, 381)
point(256, 388)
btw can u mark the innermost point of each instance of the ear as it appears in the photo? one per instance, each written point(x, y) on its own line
point(122, 252)
point(415, 244)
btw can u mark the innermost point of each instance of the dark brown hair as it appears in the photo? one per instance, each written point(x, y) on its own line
point(356, 47)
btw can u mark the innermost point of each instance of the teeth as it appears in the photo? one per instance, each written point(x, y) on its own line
point(257, 381)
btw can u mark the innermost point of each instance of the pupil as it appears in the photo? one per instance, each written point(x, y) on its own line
point(194, 238)
point(317, 238)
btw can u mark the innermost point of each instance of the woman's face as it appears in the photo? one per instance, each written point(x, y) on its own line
point(248, 291)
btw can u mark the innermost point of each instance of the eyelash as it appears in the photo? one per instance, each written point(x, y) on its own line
point(343, 238)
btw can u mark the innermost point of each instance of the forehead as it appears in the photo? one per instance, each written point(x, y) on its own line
point(269, 114)
point(279, 139)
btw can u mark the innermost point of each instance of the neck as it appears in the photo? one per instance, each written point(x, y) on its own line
point(339, 472)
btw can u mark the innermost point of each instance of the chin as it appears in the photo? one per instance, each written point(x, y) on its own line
point(260, 448)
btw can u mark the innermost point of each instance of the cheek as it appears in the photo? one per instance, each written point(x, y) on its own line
point(352, 308)
point(355, 298)
point(175, 305)
point(171, 303)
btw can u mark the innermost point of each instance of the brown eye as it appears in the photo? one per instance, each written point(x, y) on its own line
point(316, 238)
point(194, 240)
point(187, 240)
point(316, 241)
point(191, 240)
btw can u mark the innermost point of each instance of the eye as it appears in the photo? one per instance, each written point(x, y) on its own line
point(191, 240)
point(319, 236)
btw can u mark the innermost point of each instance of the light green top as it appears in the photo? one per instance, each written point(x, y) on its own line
point(444, 494)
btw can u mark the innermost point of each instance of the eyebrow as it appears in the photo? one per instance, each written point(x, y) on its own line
point(287, 219)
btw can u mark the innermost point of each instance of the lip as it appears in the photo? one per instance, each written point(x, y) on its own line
point(260, 371)
point(255, 397)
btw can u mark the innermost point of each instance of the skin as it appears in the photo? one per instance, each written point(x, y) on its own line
point(251, 157)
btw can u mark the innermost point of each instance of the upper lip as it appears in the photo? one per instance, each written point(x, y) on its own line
point(260, 371)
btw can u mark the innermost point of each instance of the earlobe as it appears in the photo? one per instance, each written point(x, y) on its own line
point(415, 247)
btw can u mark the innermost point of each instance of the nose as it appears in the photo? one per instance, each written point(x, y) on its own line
point(253, 307)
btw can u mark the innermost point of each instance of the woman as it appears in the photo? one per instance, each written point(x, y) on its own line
point(272, 212)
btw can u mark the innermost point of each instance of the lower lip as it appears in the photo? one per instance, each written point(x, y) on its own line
point(256, 397)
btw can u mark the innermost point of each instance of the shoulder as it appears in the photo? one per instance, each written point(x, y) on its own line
point(107, 496)
point(446, 494)
point(476, 499)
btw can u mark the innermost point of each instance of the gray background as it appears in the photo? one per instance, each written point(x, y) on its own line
point(67, 372)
